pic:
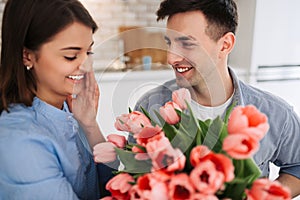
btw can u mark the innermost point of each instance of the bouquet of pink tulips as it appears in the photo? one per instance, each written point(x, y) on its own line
point(178, 156)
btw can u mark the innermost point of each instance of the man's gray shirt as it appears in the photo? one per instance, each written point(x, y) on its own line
point(281, 144)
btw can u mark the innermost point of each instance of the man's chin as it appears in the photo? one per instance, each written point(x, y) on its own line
point(182, 82)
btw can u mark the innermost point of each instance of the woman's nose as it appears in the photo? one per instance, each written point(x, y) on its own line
point(87, 64)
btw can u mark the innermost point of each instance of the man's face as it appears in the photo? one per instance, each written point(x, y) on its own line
point(192, 53)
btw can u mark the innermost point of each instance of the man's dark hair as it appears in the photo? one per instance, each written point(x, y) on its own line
point(221, 15)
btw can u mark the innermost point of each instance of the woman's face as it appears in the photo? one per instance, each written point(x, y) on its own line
point(58, 65)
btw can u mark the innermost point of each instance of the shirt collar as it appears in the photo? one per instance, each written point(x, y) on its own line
point(237, 96)
point(51, 111)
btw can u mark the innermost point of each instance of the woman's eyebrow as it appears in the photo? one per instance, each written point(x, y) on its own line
point(75, 48)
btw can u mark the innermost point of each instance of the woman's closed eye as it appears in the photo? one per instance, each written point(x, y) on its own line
point(70, 58)
point(90, 53)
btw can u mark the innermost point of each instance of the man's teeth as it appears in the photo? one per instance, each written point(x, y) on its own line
point(77, 77)
point(182, 69)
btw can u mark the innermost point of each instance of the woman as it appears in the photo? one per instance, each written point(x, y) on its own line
point(44, 152)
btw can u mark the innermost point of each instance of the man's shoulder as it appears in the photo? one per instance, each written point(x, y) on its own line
point(276, 108)
point(168, 87)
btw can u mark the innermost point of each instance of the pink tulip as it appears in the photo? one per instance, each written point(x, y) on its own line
point(248, 120)
point(180, 187)
point(140, 154)
point(206, 178)
point(265, 189)
point(147, 133)
point(107, 198)
point(121, 123)
point(104, 152)
point(169, 114)
point(119, 186)
point(135, 193)
point(148, 187)
point(223, 164)
point(164, 156)
point(178, 160)
point(133, 122)
point(118, 140)
point(201, 153)
point(199, 196)
point(162, 175)
point(198, 153)
point(240, 146)
point(181, 96)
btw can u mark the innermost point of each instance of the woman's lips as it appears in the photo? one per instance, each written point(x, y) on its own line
point(76, 77)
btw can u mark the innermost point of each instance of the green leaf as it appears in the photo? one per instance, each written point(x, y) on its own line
point(198, 139)
point(246, 169)
point(169, 130)
point(183, 134)
point(228, 112)
point(215, 135)
point(234, 190)
point(204, 125)
point(145, 112)
point(153, 122)
point(129, 110)
point(132, 165)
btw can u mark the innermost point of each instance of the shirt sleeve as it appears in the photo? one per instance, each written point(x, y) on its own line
point(30, 169)
point(289, 149)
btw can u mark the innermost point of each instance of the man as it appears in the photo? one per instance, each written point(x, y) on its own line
point(200, 35)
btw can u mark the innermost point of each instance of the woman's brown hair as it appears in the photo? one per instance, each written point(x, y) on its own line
point(29, 24)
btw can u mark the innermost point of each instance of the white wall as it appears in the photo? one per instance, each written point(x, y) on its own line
point(119, 91)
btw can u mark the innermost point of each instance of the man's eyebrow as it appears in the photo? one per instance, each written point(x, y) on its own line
point(184, 38)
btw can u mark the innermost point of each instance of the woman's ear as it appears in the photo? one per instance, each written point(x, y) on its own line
point(227, 43)
point(28, 57)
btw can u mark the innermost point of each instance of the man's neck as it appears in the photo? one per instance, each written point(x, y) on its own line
point(216, 90)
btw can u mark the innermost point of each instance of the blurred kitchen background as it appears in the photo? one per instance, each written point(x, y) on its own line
point(130, 56)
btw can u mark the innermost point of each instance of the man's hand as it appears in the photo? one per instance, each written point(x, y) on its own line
point(292, 182)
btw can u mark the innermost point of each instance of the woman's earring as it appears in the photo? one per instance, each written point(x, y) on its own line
point(28, 67)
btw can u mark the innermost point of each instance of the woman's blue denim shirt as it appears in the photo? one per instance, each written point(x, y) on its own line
point(44, 154)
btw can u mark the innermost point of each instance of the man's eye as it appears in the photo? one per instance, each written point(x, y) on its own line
point(70, 57)
point(188, 44)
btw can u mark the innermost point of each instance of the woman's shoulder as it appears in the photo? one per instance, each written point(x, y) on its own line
point(20, 121)
point(18, 117)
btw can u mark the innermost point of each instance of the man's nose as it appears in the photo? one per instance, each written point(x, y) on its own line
point(173, 57)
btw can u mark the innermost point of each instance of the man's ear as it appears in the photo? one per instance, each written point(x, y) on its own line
point(28, 57)
point(227, 43)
